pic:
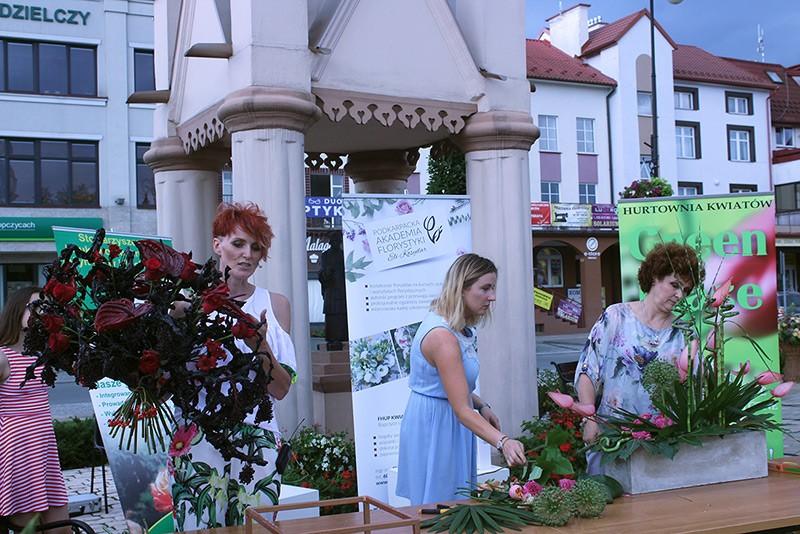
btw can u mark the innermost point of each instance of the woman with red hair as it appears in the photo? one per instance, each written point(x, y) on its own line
point(209, 491)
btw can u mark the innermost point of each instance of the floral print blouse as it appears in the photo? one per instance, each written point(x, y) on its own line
point(618, 349)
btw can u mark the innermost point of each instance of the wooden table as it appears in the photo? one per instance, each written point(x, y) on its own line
point(746, 506)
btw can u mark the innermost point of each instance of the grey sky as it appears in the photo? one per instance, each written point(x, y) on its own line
point(722, 27)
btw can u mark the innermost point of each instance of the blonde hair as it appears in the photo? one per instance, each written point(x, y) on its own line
point(464, 272)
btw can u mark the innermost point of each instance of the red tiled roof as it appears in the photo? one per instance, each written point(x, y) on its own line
point(785, 155)
point(546, 62)
point(785, 100)
point(695, 64)
point(611, 33)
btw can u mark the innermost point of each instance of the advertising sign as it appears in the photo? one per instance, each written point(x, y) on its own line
point(569, 310)
point(604, 215)
point(41, 228)
point(542, 298)
point(571, 215)
point(323, 207)
point(736, 236)
point(540, 213)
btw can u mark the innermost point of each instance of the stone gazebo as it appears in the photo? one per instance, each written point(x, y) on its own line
point(273, 86)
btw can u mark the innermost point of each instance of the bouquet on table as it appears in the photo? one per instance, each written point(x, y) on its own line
point(118, 321)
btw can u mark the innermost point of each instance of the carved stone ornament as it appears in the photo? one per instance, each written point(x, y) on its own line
point(201, 130)
point(362, 108)
point(319, 160)
point(168, 154)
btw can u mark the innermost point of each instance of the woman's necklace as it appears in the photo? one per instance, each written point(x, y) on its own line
point(654, 339)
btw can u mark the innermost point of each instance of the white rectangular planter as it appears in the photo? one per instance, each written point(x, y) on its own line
point(733, 457)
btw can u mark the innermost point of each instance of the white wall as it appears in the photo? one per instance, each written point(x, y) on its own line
point(786, 173)
point(714, 169)
point(568, 102)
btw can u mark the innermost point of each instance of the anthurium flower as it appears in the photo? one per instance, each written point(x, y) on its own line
point(170, 261)
point(782, 389)
point(113, 251)
point(583, 409)
point(52, 323)
point(216, 298)
point(721, 294)
point(769, 377)
point(119, 313)
point(149, 362)
point(58, 342)
point(744, 368)
point(515, 492)
point(63, 293)
point(561, 399)
point(242, 330)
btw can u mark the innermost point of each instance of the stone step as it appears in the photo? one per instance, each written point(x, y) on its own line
point(321, 369)
point(334, 383)
point(335, 356)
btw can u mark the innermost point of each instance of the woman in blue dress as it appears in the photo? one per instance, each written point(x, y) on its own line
point(443, 415)
point(630, 335)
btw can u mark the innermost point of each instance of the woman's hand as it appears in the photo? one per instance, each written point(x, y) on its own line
point(252, 342)
point(487, 413)
point(514, 452)
point(590, 430)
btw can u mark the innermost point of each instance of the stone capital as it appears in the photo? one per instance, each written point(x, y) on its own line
point(167, 154)
point(498, 130)
point(380, 171)
point(257, 107)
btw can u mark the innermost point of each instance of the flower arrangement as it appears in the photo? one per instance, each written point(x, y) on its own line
point(326, 462)
point(117, 321)
point(788, 327)
point(699, 396)
point(373, 361)
point(647, 188)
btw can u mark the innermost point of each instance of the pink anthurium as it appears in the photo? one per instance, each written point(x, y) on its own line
point(769, 377)
point(682, 363)
point(583, 409)
point(782, 389)
point(561, 399)
point(744, 368)
point(711, 340)
point(721, 294)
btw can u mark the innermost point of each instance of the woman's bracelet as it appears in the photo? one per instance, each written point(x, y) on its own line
point(482, 406)
point(501, 442)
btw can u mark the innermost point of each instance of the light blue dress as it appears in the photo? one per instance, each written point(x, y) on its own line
point(437, 452)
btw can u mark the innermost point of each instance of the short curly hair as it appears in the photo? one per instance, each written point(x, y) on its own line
point(248, 217)
point(666, 259)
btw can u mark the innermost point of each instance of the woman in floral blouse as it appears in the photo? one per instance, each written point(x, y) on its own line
point(630, 335)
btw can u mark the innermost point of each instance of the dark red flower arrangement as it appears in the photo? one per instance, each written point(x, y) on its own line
point(119, 321)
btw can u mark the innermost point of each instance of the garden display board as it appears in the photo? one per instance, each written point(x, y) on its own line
point(397, 251)
point(141, 479)
point(736, 234)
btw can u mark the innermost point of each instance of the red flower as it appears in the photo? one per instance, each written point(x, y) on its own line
point(347, 474)
point(189, 268)
point(564, 447)
point(96, 256)
point(153, 269)
point(305, 484)
point(52, 323)
point(346, 485)
point(117, 314)
point(242, 330)
point(206, 363)
point(214, 349)
point(58, 342)
point(113, 251)
point(149, 362)
point(170, 261)
point(216, 298)
point(182, 440)
point(63, 293)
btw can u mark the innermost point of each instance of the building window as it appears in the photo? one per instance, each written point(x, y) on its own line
point(774, 76)
point(144, 77)
point(226, 178)
point(741, 143)
point(549, 268)
point(548, 133)
point(585, 129)
point(47, 68)
point(644, 101)
point(784, 137)
point(145, 182)
point(550, 192)
point(689, 189)
point(687, 139)
point(787, 197)
point(739, 103)
point(686, 98)
point(52, 173)
point(743, 188)
point(645, 165)
point(587, 193)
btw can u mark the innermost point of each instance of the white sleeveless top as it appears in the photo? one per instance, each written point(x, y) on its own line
point(279, 341)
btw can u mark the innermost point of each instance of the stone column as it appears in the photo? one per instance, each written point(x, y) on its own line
point(496, 145)
point(267, 148)
point(380, 171)
point(186, 194)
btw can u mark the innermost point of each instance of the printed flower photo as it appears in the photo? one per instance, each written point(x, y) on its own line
point(373, 361)
point(402, 338)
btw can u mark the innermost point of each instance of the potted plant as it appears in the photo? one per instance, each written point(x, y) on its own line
point(789, 336)
point(647, 188)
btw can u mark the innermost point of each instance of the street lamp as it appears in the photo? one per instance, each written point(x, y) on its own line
point(654, 164)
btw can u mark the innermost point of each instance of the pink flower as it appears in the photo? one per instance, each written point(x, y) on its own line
point(566, 484)
point(531, 487)
point(711, 340)
point(642, 434)
point(721, 294)
point(769, 377)
point(744, 368)
point(403, 207)
point(515, 492)
point(782, 389)
point(662, 421)
point(682, 363)
point(583, 409)
point(646, 416)
point(564, 401)
point(182, 440)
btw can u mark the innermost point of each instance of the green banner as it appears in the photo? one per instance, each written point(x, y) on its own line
point(737, 236)
point(41, 228)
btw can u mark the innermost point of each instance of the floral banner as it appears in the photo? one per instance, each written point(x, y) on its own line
point(397, 251)
point(140, 478)
point(736, 235)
